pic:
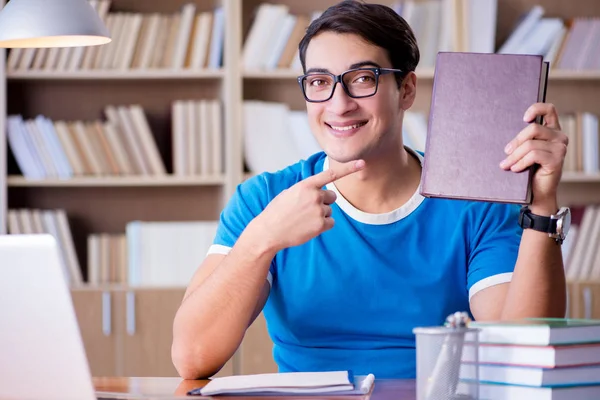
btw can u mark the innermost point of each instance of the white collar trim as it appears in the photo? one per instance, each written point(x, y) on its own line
point(377, 219)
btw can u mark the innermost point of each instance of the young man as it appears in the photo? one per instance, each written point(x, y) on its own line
point(341, 252)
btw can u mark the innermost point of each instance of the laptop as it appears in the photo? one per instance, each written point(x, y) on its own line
point(42, 355)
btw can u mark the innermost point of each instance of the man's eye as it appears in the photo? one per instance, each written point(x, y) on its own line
point(364, 79)
point(317, 82)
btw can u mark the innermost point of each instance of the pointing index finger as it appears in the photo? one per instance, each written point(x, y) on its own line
point(331, 175)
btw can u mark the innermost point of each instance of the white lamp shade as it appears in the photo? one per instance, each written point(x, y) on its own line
point(51, 23)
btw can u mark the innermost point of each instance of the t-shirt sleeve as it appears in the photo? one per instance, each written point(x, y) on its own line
point(248, 201)
point(495, 238)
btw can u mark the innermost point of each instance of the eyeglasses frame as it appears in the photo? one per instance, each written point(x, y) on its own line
point(338, 78)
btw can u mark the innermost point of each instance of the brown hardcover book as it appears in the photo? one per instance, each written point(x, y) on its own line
point(477, 107)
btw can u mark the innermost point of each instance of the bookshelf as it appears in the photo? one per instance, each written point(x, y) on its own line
point(108, 203)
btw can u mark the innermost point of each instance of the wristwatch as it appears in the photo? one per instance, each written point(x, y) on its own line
point(556, 226)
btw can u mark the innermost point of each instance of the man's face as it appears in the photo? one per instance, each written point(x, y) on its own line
point(349, 128)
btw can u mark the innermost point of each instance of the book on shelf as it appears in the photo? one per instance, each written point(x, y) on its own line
point(477, 107)
point(107, 261)
point(54, 222)
point(185, 39)
point(122, 145)
point(581, 258)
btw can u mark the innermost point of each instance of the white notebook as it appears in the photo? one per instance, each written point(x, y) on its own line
point(304, 383)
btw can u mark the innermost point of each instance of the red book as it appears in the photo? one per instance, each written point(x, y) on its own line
point(477, 107)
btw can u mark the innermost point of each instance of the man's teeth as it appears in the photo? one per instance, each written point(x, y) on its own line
point(346, 128)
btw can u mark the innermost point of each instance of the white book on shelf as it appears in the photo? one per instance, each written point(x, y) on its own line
point(126, 51)
point(304, 141)
point(146, 139)
point(216, 132)
point(115, 141)
point(179, 137)
point(41, 149)
point(217, 39)
point(66, 239)
point(188, 13)
point(590, 143)
point(46, 129)
point(540, 40)
point(51, 59)
point(149, 41)
point(104, 147)
point(192, 138)
point(431, 32)
point(282, 35)
point(63, 58)
point(572, 45)
point(25, 157)
point(92, 137)
point(39, 59)
point(204, 125)
point(14, 225)
point(590, 43)
point(26, 59)
point(36, 219)
point(589, 220)
point(133, 139)
point(88, 151)
point(482, 25)
point(260, 36)
point(201, 40)
point(552, 53)
point(13, 59)
point(26, 221)
point(50, 225)
point(107, 57)
point(160, 46)
point(589, 252)
point(93, 259)
point(112, 115)
point(524, 27)
point(123, 32)
point(171, 43)
point(71, 151)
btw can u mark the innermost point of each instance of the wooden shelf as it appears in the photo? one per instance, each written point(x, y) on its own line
point(132, 181)
point(115, 74)
point(579, 177)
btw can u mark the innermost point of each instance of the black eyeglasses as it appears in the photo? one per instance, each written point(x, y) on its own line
point(318, 87)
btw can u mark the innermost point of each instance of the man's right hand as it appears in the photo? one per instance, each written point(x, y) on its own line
point(303, 211)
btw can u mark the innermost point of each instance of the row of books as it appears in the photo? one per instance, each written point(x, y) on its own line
point(581, 256)
point(450, 25)
point(532, 359)
point(122, 145)
point(186, 39)
point(582, 130)
point(287, 135)
point(567, 44)
point(149, 254)
point(197, 138)
point(54, 222)
point(165, 253)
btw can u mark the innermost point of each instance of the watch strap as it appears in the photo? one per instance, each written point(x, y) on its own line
point(528, 220)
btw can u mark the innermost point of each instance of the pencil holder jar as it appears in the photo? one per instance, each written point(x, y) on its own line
point(447, 363)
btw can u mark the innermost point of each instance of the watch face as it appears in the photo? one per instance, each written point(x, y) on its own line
point(565, 221)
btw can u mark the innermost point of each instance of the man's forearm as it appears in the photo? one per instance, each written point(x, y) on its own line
point(213, 318)
point(538, 287)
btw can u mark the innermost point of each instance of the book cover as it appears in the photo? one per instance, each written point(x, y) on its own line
point(477, 107)
point(539, 331)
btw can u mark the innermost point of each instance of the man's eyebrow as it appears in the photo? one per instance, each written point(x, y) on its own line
point(353, 66)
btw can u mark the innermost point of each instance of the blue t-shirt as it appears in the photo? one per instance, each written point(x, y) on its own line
point(350, 298)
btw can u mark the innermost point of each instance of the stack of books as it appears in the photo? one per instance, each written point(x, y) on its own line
point(535, 359)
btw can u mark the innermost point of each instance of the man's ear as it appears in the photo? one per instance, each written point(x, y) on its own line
point(408, 91)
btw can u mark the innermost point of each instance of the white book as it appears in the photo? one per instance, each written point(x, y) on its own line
point(482, 25)
point(71, 151)
point(216, 132)
point(590, 143)
point(26, 59)
point(115, 142)
point(42, 149)
point(46, 129)
point(202, 114)
point(328, 382)
point(148, 41)
point(201, 40)
point(524, 27)
point(14, 225)
point(540, 40)
point(217, 39)
point(552, 52)
point(193, 147)
point(93, 259)
point(179, 138)
point(589, 219)
point(282, 36)
point(51, 226)
point(25, 158)
point(188, 12)
point(66, 238)
point(146, 140)
point(125, 55)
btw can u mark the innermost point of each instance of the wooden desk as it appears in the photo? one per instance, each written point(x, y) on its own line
point(173, 388)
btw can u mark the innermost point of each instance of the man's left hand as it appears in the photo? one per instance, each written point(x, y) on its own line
point(544, 145)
